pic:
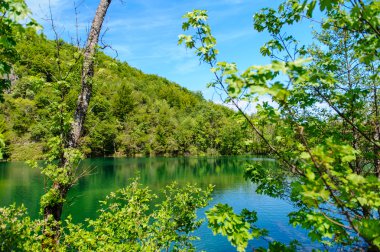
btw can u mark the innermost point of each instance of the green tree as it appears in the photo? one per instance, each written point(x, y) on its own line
point(129, 220)
point(2, 138)
point(326, 114)
point(123, 101)
point(40, 108)
point(11, 30)
point(2, 146)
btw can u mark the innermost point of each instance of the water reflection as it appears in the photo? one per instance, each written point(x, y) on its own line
point(21, 184)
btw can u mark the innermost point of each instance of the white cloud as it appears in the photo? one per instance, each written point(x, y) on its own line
point(40, 8)
point(233, 1)
point(246, 106)
point(234, 35)
point(141, 23)
point(187, 67)
point(67, 23)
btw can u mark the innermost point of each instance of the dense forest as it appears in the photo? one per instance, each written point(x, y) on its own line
point(131, 113)
point(321, 131)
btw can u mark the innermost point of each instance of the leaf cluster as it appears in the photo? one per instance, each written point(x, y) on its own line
point(129, 220)
point(324, 113)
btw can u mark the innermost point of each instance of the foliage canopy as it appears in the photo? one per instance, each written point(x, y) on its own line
point(324, 110)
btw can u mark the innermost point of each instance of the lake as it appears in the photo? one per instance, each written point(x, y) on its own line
point(21, 184)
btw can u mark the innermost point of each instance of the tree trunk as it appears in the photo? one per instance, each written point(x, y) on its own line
point(376, 148)
point(53, 211)
point(87, 74)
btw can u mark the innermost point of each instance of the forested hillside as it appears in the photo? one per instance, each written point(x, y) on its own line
point(131, 113)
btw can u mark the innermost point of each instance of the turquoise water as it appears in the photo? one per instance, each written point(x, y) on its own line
point(21, 184)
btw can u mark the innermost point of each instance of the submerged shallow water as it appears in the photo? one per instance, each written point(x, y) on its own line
point(21, 184)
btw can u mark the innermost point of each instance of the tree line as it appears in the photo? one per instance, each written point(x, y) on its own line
point(323, 131)
point(131, 113)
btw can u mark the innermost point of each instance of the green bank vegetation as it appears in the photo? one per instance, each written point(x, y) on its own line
point(324, 132)
point(130, 114)
point(49, 108)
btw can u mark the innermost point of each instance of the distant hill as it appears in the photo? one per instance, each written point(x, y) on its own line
point(131, 113)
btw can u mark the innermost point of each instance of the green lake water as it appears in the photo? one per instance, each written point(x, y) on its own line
point(21, 184)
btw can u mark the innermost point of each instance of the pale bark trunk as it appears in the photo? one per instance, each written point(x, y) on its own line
point(376, 136)
point(87, 74)
point(55, 210)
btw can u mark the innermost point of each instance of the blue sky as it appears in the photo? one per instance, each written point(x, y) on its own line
point(145, 33)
